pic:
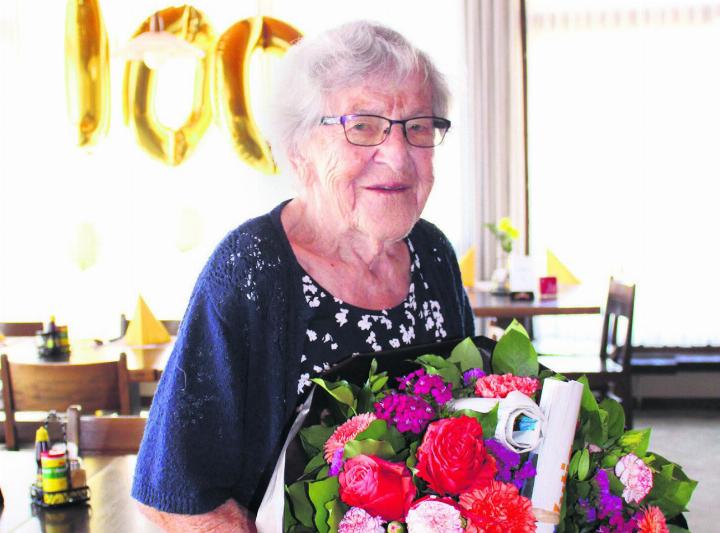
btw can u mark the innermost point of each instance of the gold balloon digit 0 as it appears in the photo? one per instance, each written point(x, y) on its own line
point(140, 85)
point(87, 70)
point(232, 83)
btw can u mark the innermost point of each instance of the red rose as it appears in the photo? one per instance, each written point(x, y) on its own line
point(452, 457)
point(380, 487)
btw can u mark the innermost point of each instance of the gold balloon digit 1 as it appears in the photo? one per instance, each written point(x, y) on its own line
point(87, 71)
point(232, 83)
point(172, 146)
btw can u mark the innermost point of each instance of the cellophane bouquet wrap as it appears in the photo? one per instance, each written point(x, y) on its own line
point(465, 443)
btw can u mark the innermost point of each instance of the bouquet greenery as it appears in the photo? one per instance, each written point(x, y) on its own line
point(403, 454)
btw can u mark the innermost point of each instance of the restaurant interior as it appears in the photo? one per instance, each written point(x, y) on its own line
point(577, 186)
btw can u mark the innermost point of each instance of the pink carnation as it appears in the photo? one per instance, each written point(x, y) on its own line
point(636, 476)
point(500, 385)
point(652, 520)
point(347, 432)
point(433, 515)
point(358, 520)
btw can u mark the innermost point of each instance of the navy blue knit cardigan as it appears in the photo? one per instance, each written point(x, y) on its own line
point(229, 389)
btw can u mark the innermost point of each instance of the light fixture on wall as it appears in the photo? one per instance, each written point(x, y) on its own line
point(156, 46)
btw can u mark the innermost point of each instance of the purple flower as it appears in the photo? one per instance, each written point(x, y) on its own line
point(407, 413)
point(337, 462)
point(471, 375)
point(526, 471)
point(588, 509)
point(608, 503)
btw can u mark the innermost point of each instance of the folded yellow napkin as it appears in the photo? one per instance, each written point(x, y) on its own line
point(467, 268)
point(144, 328)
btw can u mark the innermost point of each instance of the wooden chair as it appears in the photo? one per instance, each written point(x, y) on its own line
point(104, 434)
point(20, 329)
point(609, 371)
point(56, 386)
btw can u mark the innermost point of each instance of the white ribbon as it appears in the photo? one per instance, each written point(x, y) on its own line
point(270, 513)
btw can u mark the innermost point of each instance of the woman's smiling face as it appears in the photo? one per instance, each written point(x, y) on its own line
point(378, 191)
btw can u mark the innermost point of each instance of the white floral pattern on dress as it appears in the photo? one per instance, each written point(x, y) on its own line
point(335, 323)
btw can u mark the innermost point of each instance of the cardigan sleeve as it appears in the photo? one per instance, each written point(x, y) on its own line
point(189, 460)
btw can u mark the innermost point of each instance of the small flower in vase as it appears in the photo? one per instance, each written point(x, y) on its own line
point(506, 233)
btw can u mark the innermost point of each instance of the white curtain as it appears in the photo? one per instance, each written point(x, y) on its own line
point(497, 153)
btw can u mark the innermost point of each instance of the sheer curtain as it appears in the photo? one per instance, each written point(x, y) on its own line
point(496, 139)
point(624, 164)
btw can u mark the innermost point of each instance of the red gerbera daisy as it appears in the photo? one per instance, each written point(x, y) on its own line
point(497, 508)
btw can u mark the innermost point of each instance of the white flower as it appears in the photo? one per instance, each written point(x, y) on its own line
point(371, 338)
point(303, 382)
point(327, 338)
point(311, 335)
point(341, 317)
point(364, 323)
point(395, 343)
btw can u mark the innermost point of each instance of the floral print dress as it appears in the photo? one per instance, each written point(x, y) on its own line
point(337, 330)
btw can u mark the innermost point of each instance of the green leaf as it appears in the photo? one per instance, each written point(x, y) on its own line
point(313, 438)
point(583, 489)
point(336, 511)
point(588, 402)
point(672, 489)
point(677, 529)
point(514, 354)
point(302, 508)
point(636, 441)
point(379, 448)
point(434, 364)
point(316, 462)
point(378, 383)
point(616, 417)
point(340, 390)
point(320, 493)
point(488, 420)
point(467, 355)
point(379, 430)
point(517, 326)
point(583, 465)
point(573, 466)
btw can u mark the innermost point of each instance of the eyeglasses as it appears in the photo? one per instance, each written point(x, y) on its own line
point(372, 130)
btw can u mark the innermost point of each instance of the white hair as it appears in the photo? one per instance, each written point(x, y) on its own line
point(341, 58)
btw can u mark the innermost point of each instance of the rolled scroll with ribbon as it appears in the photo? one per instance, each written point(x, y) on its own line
point(560, 403)
point(520, 420)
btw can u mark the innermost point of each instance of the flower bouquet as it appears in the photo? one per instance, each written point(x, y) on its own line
point(458, 442)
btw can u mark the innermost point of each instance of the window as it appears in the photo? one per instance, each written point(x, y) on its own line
point(623, 158)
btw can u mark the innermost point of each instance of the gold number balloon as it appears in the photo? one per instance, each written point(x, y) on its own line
point(232, 82)
point(87, 70)
point(172, 146)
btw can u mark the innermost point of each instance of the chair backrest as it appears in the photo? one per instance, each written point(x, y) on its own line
point(56, 386)
point(20, 329)
point(104, 434)
point(616, 343)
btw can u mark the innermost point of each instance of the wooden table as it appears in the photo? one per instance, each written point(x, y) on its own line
point(110, 509)
point(486, 305)
point(144, 364)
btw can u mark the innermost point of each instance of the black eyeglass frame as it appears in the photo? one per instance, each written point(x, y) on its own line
point(342, 119)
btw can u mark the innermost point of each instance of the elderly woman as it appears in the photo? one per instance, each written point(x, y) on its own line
point(347, 266)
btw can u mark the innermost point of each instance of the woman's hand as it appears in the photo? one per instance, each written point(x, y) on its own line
point(228, 517)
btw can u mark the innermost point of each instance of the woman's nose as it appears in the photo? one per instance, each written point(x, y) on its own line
point(395, 148)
